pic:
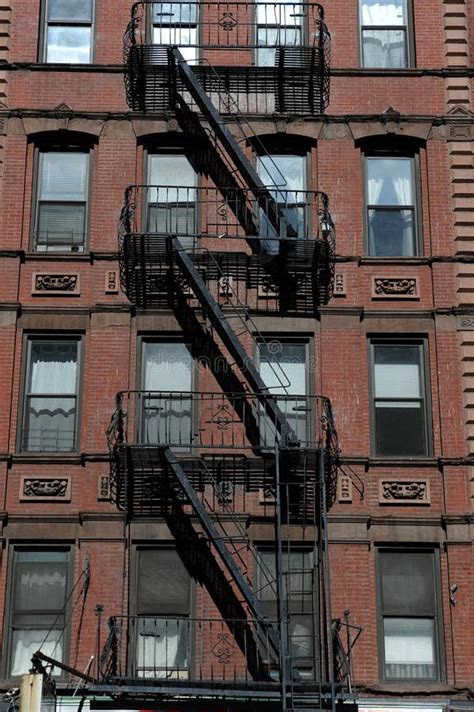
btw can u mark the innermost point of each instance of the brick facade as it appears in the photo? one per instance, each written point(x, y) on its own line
point(429, 106)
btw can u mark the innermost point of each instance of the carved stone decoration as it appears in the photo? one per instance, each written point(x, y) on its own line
point(55, 284)
point(340, 285)
point(344, 489)
point(103, 488)
point(460, 124)
point(404, 492)
point(466, 323)
point(111, 282)
point(46, 489)
point(395, 288)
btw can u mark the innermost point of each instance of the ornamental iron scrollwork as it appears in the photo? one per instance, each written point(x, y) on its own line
point(223, 649)
point(228, 22)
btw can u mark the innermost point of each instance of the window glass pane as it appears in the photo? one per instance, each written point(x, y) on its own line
point(397, 371)
point(172, 12)
point(40, 586)
point(407, 583)
point(169, 171)
point(53, 367)
point(186, 39)
point(168, 367)
point(270, 37)
point(163, 585)
point(384, 49)
point(409, 641)
point(26, 642)
point(391, 233)
point(61, 227)
point(279, 12)
point(400, 429)
point(63, 176)
point(285, 171)
point(162, 646)
point(284, 364)
point(68, 45)
point(70, 10)
point(390, 181)
point(383, 12)
point(50, 424)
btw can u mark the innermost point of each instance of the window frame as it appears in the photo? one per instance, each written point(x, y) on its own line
point(52, 147)
point(308, 343)
point(10, 592)
point(163, 546)
point(43, 35)
point(425, 383)
point(409, 35)
point(164, 338)
point(295, 548)
point(417, 207)
point(199, 29)
point(171, 150)
point(28, 339)
point(438, 624)
point(305, 33)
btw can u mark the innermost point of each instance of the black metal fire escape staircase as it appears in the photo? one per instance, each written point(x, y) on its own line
point(237, 353)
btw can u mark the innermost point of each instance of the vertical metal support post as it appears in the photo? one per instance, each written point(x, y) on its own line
point(280, 589)
point(324, 536)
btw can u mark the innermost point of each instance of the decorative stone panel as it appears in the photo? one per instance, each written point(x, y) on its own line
point(51, 284)
point(45, 489)
point(395, 288)
point(344, 489)
point(340, 285)
point(404, 492)
point(111, 282)
point(103, 488)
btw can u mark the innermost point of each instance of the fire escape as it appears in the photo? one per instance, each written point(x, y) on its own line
point(214, 463)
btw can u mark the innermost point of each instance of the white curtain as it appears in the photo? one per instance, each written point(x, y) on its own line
point(383, 12)
point(409, 641)
point(27, 642)
point(53, 368)
point(168, 367)
point(402, 185)
point(161, 647)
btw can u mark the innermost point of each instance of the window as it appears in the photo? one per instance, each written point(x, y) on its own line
point(391, 207)
point(298, 592)
point(408, 614)
point(167, 368)
point(384, 29)
point(399, 399)
point(37, 609)
point(50, 411)
point(61, 210)
point(283, 369)
point(278, 24)
point(163, 604)
point(68, 31)
point(176, 23)
point(285, 175)
point(172, 197)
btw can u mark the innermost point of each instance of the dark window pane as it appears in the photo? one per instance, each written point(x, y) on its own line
point(63, 176)
point(407, 583)
point(391, 233)
point(384, 49)
point(70, 10)
point(400, 429)
point(163, 585)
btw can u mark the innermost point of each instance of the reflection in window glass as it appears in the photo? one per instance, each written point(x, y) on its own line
point(279, 24)
point(68, 32)
point(176, 24)
point(384, 33)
